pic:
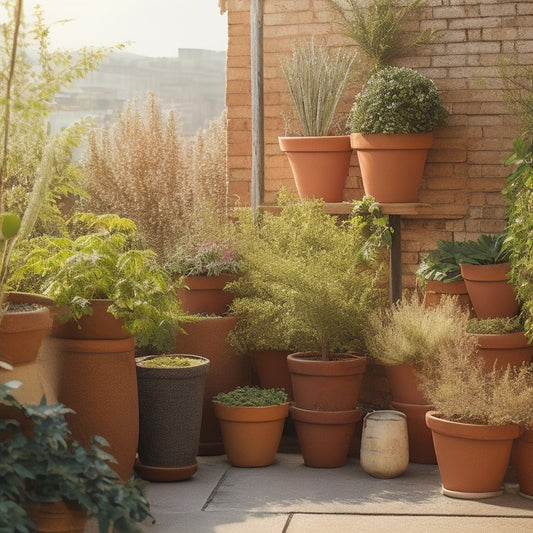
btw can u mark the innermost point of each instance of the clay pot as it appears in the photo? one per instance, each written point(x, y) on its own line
point(228, 369)
point(326, 385)
point(206, 294)
point(319, 165)
point(170, 416)
point(384, 444)
point(57, 517)
point(99, 325)
point(403, 382)
point(392, 165)
point(472, 459)
point(97, 380)
point(504, 349)
point(325, 436)
point(491, 293)
point(272, 369)
point(251, 435)
point(522, 461)
point(421, 449)
point(435, 290)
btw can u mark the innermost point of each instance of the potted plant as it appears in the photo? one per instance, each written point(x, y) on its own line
point(485, 268)
point(52, 483)
point(171, 391)
point(405, 338)
point(316, 77)
point(391, 123)
point(251, 420)
point(477, 417)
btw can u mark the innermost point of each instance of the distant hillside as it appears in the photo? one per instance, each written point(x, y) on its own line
point(193, 84)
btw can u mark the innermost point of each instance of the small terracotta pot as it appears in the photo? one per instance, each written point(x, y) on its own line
point(436, 290)
point(273, 370)
point(392, 165)
point(57, 517)
point(491, 293)
point(522, 461)
point(325, 436)
point(503, 350)
point(403, 382)
point(326, 385)
point(319, 165)
point(251, 435)
point(472, 459)
point(206, 294)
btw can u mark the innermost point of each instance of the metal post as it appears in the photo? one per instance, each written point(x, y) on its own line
point(395, 289)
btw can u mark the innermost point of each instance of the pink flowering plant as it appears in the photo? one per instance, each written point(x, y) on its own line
point(206, 259)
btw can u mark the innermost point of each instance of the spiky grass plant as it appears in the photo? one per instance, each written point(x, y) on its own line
point(317, 77)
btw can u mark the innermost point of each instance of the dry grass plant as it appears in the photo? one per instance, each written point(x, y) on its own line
point(410, 333)
point(143, 168)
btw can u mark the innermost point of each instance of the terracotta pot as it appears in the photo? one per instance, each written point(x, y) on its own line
point(22, 332)
point(273, 370)
point(325, 436)
point(472, 459)
point(206, 294)
point(522, 461)
point(326, 385)
point(99, 325)
point(97, 380)
point(170, 416)
point(435, 290)
point(251, 435)
point(207, 337)
point(491, 293)
point(421, 449)
point(403, 382)
point(57, 517)
point(319, 165)
point(504, 349)
point(392, 165)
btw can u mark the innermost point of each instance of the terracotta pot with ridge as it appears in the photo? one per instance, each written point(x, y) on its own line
point(522, 461)
point(206, 294)
point(58, 517)
point(504, 349)
point(272, 369)
point(436, 290)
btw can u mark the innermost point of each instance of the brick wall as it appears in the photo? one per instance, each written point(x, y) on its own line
point(464, 174)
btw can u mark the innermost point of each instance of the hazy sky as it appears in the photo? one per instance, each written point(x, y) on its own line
point(155, 27)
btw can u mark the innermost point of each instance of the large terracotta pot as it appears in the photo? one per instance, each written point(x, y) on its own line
point(272, 369)
point(325, 436)
point(332, 385)
point(97, 380)
point(491, 293)
point(170, 415)
point(319, 165)
point(472, 459)
point(522, 461)
point(392, 165)
point(251, 435)
point(207, 337)
point(504, 349)
point(57, 517)
point(436, 290)
point(99, 325)
point(206, 294)
point(403, 381)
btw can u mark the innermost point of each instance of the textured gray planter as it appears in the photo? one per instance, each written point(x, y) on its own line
point(170, 417)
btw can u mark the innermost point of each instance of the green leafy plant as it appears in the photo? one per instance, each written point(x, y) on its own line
point(166, 361)
point(247, 396)
point(486, 250)
point(410, 333)
point(495, 326)
point(378, 28)
point(441, 264)
point(316, 77)
point(307, 283)
point(46, 465)
point(103, 263)
point(397, 100)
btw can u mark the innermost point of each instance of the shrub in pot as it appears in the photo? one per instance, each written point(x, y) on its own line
point(391, 123)
point(251, 420)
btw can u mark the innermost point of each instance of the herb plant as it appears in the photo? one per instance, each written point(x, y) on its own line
point(441, 264)
point(486, 250)
point(495, 326)
point(397, 100)
point(247, 396)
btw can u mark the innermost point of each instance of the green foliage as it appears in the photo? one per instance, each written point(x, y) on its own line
point(495, 326)
point(206, 259)
point(247, 396)
point(307, 284)
point(410, 333)
point(397, 100)
point(47, 465)
point(104, 263)
point(441, 264)
point(316, 77)
point(378, 28)
point(169, 361)
point(486, 250)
